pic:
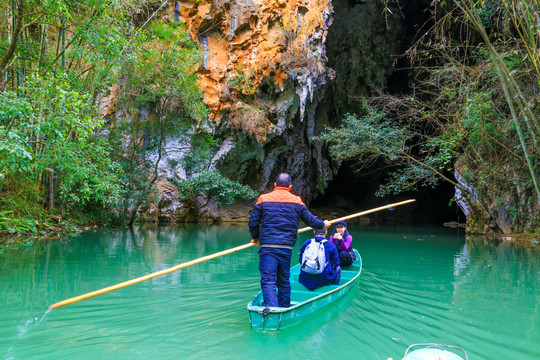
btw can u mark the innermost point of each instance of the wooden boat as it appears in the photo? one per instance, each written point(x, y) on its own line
point(434, 352)
point(303, 301)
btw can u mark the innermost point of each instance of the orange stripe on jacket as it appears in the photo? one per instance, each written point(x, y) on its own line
point(281, 195)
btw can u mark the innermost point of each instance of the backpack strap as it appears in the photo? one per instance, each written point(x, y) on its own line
point(311, 243)
point(323, 249)
point(320, 244)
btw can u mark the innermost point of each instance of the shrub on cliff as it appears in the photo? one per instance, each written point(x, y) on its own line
point(211, 186)
point(375, 135)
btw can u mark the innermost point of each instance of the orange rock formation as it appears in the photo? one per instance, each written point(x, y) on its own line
point(246, 41)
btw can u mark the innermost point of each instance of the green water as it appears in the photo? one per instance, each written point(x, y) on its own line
point(418, 285)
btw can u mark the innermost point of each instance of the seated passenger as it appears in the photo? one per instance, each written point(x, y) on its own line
point(320, 262)
point(343, 241)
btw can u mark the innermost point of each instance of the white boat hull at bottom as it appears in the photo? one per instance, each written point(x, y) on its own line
point(433, 352)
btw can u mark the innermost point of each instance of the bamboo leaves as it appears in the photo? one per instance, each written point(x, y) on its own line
point(527, 126)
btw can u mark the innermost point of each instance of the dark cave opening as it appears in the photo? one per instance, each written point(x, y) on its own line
point(361, 50)
point(351, 192)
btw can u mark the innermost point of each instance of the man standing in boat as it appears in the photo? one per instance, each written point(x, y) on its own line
point(274, 225)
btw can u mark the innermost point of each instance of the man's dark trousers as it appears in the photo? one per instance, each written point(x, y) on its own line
point(275, 268)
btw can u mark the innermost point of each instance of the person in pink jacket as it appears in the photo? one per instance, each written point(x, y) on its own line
point(343, 241)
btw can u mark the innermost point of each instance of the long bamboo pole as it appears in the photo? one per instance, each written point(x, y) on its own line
point(147, 277)
point(197, 261)
point(364, 213)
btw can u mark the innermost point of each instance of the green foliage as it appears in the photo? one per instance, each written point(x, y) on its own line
point(481, 123)
point(21, 206)
point(418, 160)
point(89, 174)
point(82, 39)
point(47, 127)
point(162, 92)
point(513, 212)
point(11, 224)
point(514, 60)
point(135, 178)
point(373, 136)
point(53, 143)
point(15, 154)
point(203, 148)
point(367, 137)
point(170, 89)
point(212, 186)
point(488, 12)
point(407, 179)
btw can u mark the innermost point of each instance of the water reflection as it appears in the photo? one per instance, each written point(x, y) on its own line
point(418, 285)
point(497, 283)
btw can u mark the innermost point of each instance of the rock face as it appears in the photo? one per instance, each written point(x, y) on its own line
point(495, 207)
point(247, 43)
point(267, 82)
point(277, 72)
point(263, 64)
point(169, 209)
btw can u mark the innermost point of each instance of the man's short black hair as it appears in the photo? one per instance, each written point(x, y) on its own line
point(283, 180)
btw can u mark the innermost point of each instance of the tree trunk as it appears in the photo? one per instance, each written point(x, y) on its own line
point(133, 213)
point(156, 173)
point(17, 26)
point(51, 189)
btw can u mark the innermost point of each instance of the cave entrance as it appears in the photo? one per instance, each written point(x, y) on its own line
point(351, 192)
point(361, 48)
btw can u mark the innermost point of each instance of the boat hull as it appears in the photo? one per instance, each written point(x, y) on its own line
point(303, 301)
point(434, 351)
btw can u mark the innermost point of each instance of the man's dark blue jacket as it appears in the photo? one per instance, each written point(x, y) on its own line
point(274, 219)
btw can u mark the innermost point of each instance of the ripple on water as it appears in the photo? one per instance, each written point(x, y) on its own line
point(436, 290)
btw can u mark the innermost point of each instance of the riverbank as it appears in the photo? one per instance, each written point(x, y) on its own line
point(55, 233)
point(51, 232)
point(531, 238)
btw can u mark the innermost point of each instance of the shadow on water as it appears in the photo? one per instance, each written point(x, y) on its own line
point(417, 285)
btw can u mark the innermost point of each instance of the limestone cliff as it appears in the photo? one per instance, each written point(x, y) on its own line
point(249, 43)
point(504, 203)
point(268, 84)
point(263, 62)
